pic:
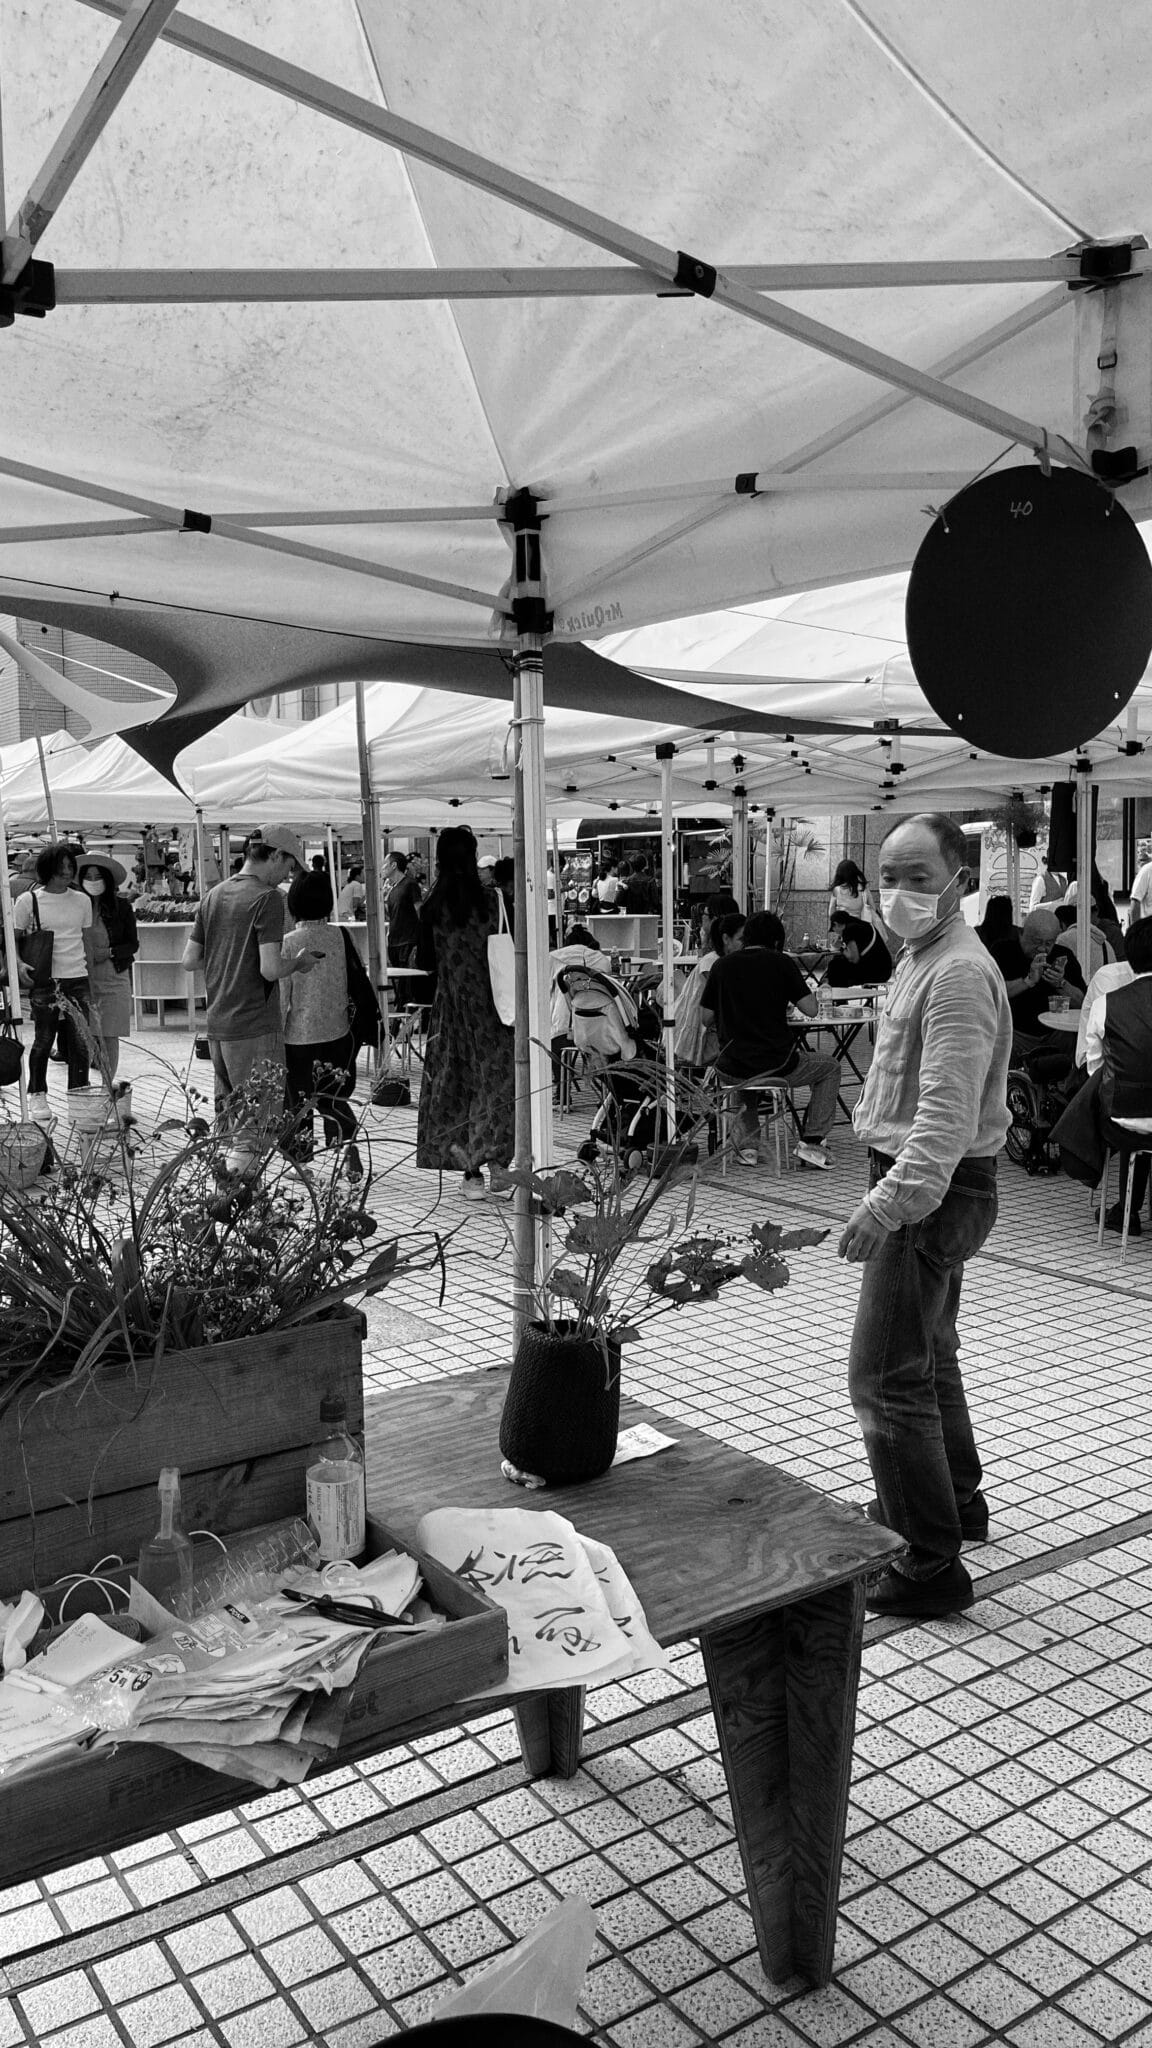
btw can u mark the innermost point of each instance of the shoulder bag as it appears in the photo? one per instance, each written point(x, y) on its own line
point(363, 1008)
point(11, 1051)
point(502, 966)
point(35, 948)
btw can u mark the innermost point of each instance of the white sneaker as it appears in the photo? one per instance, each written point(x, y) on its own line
point(39, 1109)
point(813, 1155)
point(747, 1155)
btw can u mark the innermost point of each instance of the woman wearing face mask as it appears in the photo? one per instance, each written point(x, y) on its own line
point(114, 945)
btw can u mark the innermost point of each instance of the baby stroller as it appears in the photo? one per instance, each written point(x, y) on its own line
point(611, 1032)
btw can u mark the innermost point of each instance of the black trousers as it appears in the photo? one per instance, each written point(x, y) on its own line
point(325, 1074)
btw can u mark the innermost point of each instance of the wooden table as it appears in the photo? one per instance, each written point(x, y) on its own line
point(767, 1572)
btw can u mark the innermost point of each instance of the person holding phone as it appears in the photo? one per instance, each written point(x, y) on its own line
point(1036, 967)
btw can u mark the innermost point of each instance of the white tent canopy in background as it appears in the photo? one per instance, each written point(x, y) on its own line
point(109, 784)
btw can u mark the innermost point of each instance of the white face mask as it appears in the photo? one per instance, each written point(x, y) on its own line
point(911, 913)
point(94, 888)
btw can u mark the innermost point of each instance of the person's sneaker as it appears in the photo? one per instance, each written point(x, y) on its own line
point(946, 1592)
point(39, 1109)
point(973, 1518)
point(1114, 1220)
point(472, 1187)
point(747, 1155)
point(812, 1155)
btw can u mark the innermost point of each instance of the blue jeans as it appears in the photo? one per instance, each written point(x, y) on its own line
point(904, 1368)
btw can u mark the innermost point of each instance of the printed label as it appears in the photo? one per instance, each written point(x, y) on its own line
point(336, 1512)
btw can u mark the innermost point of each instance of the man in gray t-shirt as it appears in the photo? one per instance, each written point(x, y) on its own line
point(236, 937)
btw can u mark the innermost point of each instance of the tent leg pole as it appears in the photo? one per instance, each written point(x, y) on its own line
point(333, 870)
point(15, 1004)
point(1085, 805)
point(740, 845)
point(560, 920)
point(665, 753)
point(47, 787)
point(530, 1247)
point(371, 865)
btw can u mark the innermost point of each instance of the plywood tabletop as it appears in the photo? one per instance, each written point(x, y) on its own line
point(704, 1532)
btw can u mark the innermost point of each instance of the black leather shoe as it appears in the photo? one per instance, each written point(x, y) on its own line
point(973, 1518)
point(946, 1592)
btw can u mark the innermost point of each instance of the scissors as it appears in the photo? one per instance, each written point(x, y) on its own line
point(371, 1615)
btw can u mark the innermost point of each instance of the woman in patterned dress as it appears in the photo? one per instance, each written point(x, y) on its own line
point(467, 1110)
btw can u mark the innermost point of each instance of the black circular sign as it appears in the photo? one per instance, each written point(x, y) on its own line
point(1029, 611)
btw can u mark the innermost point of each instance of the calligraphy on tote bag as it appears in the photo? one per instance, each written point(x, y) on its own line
point(502, 966)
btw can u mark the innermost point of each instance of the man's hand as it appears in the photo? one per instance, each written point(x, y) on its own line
point(862, 1233)
point(304, 963)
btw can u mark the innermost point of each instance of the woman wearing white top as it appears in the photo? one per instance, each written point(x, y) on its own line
point(55, 905)
point(850, 893)
point(319, 1050)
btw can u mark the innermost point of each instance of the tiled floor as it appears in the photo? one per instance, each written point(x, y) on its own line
point(996, 1882)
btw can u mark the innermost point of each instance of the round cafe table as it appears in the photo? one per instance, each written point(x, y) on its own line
point(1061, 1020)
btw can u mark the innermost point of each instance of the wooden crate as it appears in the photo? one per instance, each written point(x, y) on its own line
point(90, 1804)
point(78, 1466)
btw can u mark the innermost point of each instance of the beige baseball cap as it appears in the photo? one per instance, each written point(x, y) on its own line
point(283, 840)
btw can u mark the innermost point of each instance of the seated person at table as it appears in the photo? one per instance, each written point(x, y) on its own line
point(1119, 1039)
point(1101, 953)
point(998, 923)
point(860, 959)
point(1036, 967)
point(746, 998)
point(693, 1044)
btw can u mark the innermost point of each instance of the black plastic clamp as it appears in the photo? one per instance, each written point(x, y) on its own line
point(694, 276)
point(1117, 465)
point(33, 293)
point(195, 522)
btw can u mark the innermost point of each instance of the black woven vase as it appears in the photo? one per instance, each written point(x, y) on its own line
point(562, 1409)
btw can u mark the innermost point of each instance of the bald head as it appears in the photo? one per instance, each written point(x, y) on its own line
point(1039, 931)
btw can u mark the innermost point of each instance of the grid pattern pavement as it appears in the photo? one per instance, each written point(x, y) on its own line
point(996, 1880)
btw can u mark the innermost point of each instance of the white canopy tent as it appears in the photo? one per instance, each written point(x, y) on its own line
point(727, 319)
point(110, 783)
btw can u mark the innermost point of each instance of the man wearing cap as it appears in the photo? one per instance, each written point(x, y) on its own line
point(236, 937)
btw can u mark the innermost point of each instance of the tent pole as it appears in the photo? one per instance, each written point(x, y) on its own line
point(1085, 803)
point(665, 753)
point(740, 844)
point(200, 852)
point(47, 787)
point(15, 1004)
point(529, 842)
point(333, 871)
point(768, 817)
point(371, 862)
point(556, 881)
point(1012, 874)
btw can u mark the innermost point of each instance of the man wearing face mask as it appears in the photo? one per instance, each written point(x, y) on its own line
point(933, 1115)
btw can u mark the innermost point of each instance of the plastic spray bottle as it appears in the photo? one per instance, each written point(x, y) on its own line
point(165, 1567)
point(335, 1483)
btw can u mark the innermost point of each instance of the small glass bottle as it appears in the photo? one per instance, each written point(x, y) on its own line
point(334, 1479)
point(165, 1566)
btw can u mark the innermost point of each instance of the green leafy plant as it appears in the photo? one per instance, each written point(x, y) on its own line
point(97, 1270)
point(594, 1288)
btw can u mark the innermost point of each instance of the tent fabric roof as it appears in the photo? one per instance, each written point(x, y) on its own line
point(776, 134)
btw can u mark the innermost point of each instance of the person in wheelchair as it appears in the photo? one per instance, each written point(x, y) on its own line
point(1036, 967)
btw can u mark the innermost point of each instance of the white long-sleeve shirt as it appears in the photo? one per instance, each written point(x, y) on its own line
point(936, 1091)
point(1094, 1041)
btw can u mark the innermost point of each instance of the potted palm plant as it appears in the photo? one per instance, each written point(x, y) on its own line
point(606, 1284)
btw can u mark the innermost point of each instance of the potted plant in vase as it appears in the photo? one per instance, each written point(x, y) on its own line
point(1019, 819)
point(562, 1409)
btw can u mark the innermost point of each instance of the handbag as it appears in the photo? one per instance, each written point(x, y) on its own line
point(363, 1008)
point(35, 949)
point(502, 966)
point(11, 1052)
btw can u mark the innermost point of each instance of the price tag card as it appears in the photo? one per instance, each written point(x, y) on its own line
point(641, 1441)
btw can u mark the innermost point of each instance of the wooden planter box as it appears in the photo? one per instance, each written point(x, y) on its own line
point(238, 1420)
point(78, 1467)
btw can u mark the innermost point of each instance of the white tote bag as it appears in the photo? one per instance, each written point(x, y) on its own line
point(502, 966)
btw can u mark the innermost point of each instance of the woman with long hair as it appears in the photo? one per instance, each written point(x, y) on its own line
point(850, 892)
point(693, 1044)
point(54, 904)
point(115, 943)
point(467, 1111)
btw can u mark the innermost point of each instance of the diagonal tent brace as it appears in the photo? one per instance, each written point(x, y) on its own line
point(168, 517)
point(677, 268)
point(142, 23)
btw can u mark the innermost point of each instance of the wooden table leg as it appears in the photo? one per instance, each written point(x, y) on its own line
point(550, 1726)
point(783, 1689)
